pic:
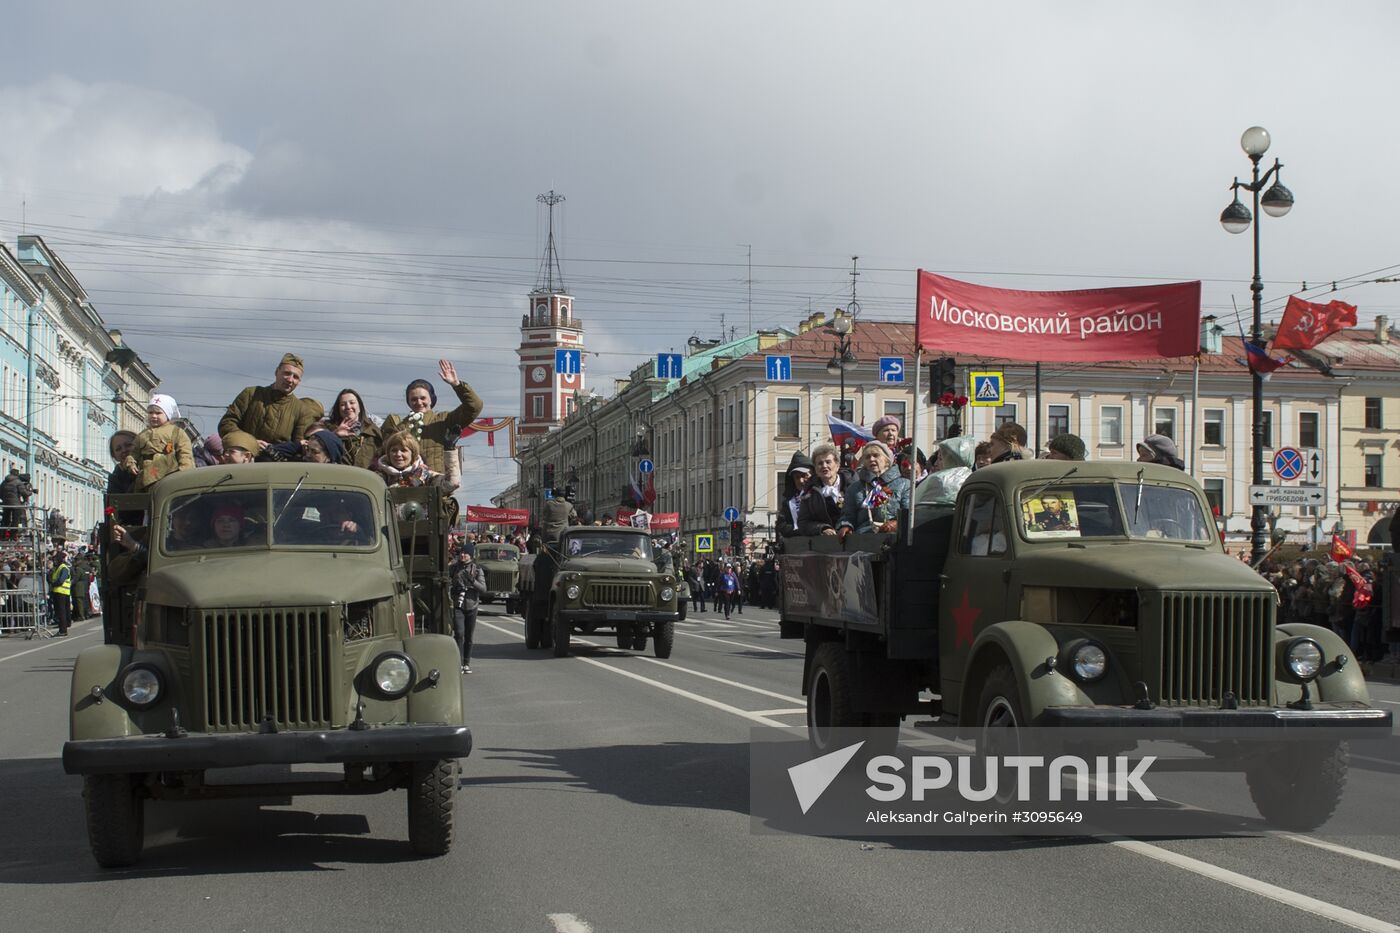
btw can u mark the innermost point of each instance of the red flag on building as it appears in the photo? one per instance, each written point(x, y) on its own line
point(1305, 324)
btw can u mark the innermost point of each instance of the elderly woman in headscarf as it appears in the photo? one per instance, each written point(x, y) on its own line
point(874, 498)
point(1158, 448)
point(161, 449)
point(953, 464)
point(357, 429)
point(799, 473)
point(436, 432)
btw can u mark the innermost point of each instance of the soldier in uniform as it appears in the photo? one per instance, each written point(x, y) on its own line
point(557, 515)
point(273, 413)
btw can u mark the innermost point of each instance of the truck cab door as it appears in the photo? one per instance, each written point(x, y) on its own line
point(974, 587)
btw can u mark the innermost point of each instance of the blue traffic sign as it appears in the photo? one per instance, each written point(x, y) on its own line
point(731, 514)
point(779, 368)
point(1288, 463)
point(568, 362)
point(646, 466)
point(891, 369)
point(988, 388)
point(668, 365)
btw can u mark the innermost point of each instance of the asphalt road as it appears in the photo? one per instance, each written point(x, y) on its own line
point(609, 792)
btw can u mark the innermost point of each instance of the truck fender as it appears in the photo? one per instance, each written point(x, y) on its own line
point(1025, 646)
point(442, 703)
point(89, 718)
point(1335, 683)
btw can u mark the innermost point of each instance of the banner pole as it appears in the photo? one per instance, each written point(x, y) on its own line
point(914, 454)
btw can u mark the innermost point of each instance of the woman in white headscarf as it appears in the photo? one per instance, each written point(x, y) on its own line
point(162, 448)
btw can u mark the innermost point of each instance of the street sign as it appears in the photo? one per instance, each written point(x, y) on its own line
point(1288, 463)
point(779, 368)
point(891, 369)
point(547, 492)
point(646, 466)
point(568, 362)
point(704, 544)
point(731, 514)
point(668, 365)
point(1314, 465)
point(987, 388)
point(1286, 495)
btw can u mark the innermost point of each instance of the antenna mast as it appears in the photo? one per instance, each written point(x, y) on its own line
point(551, 277)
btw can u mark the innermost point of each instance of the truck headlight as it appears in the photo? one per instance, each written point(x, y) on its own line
point(142, 685)
point(1304, 658)
point(393, 674)
point(573, 591)
point(667, 594)
point(1087, 661)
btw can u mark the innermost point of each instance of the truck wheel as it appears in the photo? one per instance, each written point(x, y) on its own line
point(829, 704)
point(1300, 786)
point(532, 629)
point(662, 641)
point(683, 610)
point(1000, 717)
point(430, 798)
point(511, 606)
point(624, 638)
point(115, 819)
point(562, 630)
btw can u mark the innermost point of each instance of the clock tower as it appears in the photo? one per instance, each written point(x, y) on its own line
point(547, 395)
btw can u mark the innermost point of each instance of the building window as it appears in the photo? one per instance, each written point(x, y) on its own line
point(1373, 471)
point(1373, 413)
point(779, 485)
point(1057, 420)
point(1215, 495)
point(1005, 414)
point(1164, 422)
point(943, 423)
point(729, 424)
point(1268, 429)
point(789, 416)
point(1307, 429)
point(895, 409)
point(1213, 427)
point(537, 407)
point(1111, 425)
point(1312, 511)
point(845, 409)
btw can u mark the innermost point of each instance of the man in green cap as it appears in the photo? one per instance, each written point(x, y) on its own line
point(272, 413)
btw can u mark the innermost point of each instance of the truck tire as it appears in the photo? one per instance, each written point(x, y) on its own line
point(624, 638)
point(1000, 717)
point(431, 789)
point(115, 819)
point(561, 631)
point(532, 629)
point(829, 704)
point(1299, 787)
point(662, 640)
point(512, 606)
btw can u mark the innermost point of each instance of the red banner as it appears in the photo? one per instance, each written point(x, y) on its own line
point(658, 521)
point(1092, 325)
point(493, 516)
point(1305, 324)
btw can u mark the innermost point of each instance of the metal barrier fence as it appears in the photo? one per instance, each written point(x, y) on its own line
point(24, 586)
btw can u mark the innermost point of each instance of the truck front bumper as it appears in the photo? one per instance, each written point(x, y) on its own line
point(198, 751)
point(613, 616)
point(1322, 715)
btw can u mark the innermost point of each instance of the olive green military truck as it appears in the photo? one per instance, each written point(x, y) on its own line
point(500, 564)
point(1089, 594)
point(272, 614)
point(606, 581)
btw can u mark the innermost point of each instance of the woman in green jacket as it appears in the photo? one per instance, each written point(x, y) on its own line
point(357, 428)
point(436, 432)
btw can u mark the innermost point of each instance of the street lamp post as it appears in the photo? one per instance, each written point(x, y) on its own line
point(1236, 218)
point(842, 358)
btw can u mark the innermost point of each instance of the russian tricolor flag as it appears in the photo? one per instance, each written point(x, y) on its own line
point(843, 431)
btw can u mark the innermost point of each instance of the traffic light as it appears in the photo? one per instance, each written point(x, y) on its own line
point(548, 479)
point(736, 533)
point(942, 377)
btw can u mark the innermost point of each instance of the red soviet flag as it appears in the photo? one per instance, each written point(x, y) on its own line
point(1306, 324)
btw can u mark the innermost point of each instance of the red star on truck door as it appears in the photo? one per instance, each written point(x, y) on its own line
point(964, 614)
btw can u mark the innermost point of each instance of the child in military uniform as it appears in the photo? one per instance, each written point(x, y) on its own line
point(161, 449)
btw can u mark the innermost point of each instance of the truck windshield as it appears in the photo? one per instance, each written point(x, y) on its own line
point(1165, 512)
point(219, 519)
point(1098, 510)
point(497, 553)
point(607, 545)
point(323, 518)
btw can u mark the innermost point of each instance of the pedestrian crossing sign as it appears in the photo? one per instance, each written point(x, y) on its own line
point(704, 544)
point(987, 388)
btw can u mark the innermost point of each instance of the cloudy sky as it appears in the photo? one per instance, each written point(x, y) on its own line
point(357, 181)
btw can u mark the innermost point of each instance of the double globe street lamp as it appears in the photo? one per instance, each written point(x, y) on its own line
point(1237, 218)
point(842, 358)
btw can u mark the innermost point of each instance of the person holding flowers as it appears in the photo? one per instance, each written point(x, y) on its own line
point(873, 500)
point(435, 432)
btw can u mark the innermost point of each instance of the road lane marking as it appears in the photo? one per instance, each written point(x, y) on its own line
point(53, 643)
point(781, 712)
point(698, 698)
point(1391, 702)
point(1312, 905)
point(570, 923)
point(732, 683)
point(740, 644)
point(1344, 850)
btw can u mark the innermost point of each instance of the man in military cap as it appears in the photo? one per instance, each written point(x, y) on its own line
point(273, 413)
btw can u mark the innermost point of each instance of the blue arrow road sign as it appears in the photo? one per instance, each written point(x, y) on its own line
point(779, 368)
point(568, 362)
point(731, 514)
point(891, 369)
point(646, 466)
point(1288, 463)
point(668, 365)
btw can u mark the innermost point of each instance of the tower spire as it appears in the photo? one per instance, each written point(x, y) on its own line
point(551, 277)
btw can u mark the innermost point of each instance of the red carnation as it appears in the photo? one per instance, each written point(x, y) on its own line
point(109, 511)
point(961, 400)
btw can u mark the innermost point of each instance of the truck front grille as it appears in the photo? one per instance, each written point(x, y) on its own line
point(1217, 642)
point(500, 581)
point(618, 595)
point(267, 662)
